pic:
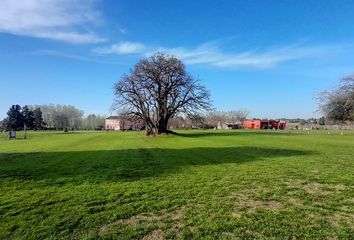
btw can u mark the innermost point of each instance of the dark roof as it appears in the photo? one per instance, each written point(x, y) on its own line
point(113, 117)
point(262, 120)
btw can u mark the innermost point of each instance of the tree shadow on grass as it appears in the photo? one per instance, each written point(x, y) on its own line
point(127, 164)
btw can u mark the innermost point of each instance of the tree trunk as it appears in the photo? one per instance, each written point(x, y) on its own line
point(25, 128)
point(160, 128)
point(151, 131)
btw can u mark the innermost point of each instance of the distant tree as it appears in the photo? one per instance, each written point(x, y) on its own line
point(322, 121)
point(38, 123)
point(28, 119)
point(303, 121)
point(5, 125)
point(178, 122)
point(93, 122)
point(61, 117)
point(2, 126)
point(216, 119)
point(73, 116)
point(338, 104)
point(236, 116)
point(198, 121)
point(14, 120)
point(157, 89)
point(48, 114)
point(220, 119)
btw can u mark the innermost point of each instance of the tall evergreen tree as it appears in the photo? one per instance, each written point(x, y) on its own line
point(38, 123)
point(14, 120)
point(28, 119)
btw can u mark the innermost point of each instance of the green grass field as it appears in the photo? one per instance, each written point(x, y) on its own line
point(197, 185)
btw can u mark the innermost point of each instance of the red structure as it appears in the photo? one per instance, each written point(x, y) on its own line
point(264, 124)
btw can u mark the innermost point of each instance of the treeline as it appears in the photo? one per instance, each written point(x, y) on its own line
point(23, 118)
point(211, 120)
point(301, 121)
point(50, 117)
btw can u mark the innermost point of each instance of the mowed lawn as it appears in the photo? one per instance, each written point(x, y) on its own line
point(197, 185)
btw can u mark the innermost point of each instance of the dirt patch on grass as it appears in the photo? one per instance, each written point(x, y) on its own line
point(236, 214)
point(256, 204)
point(295, 202)
point(228, 235)
point(315, 188)
point(321, 189)
point(254, 233)
point(152, 217)
point(193, 229)
point(158, 219)
point(103, 229)
point(251, 190)
point(340, 219)
point(154, 235)
point(250, 233)
point(339, 187)
point(176, 215)
point(295, 182)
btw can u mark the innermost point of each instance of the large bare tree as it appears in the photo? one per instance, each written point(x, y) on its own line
point(338, 104)
point(157, 89)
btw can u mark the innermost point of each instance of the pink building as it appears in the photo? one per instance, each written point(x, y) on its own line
point(119, 124)
point(113, 123)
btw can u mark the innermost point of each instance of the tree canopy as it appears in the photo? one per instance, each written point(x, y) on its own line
point(14, 120)
point(61, 116)
point(38, 122)
point(338, 104)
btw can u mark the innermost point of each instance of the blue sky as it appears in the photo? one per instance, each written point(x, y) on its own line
point(270, 57)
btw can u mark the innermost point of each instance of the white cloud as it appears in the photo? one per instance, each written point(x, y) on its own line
point(211, 53)
point(63, 20)
point(121, 48)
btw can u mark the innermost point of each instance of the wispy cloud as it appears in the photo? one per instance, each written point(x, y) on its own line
point(55, 53)
point(121, 48)
point(211, 53)
point(122, 30)
point(63, 20)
